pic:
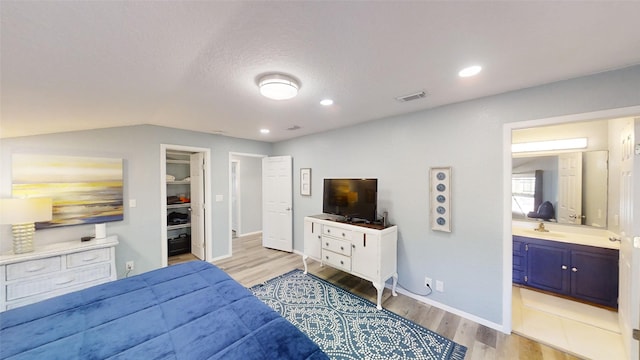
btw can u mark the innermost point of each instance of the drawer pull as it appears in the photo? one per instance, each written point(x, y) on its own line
point(343, 235)
point(328, 230)
point(64, 281)
point(341, 247)
point(35, 268)
point(91, 258)
point(353, 246)
point(327, 257)
point(341, 262)
point(319, 236)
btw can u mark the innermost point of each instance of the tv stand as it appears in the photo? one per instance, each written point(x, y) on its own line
point(368, 251)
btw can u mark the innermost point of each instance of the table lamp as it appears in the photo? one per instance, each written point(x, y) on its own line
point(22, 214)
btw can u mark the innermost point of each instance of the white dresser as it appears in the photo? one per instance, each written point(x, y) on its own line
point(54, 270)
point(367, 251)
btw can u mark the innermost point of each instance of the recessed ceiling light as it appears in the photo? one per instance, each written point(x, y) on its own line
point(326, 102)
point(264, 131)
point(470, 71)
point(278, 86)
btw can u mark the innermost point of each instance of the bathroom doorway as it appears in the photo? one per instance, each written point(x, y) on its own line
point(518, 301)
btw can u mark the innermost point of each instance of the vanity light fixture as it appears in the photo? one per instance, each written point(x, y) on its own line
point(550, 145)
point(278, 86)
point(470, 71)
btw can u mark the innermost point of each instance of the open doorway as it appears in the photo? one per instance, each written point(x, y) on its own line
point(513, 300)
point(185, 203)
point(245, 199)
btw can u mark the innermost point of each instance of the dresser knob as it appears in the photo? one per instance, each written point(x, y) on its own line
point(328, 230)
point(327, 257)
point(341, 247)
point(341, 262)
point(327, 244)
point(343, 235)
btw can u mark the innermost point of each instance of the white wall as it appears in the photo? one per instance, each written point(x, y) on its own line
point(468, 137)
point(139, 146)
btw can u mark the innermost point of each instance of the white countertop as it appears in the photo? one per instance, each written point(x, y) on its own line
point(595, 237)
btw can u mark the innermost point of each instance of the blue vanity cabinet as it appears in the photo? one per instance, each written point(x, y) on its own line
point(547, 265)
point(519, 260)
point(583, 272)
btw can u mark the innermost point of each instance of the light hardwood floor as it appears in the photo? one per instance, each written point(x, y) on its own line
point(252, 264)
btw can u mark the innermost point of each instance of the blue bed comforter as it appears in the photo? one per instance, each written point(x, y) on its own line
point(188, 311)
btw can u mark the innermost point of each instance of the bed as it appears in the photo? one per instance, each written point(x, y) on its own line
point(189, 311)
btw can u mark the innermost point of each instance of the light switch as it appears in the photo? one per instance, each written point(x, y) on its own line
point(636, 242)
point(133, 203)
point(219, 198)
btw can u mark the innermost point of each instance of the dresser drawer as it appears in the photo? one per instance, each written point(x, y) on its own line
point(336, 232)
point(33, 268)
point(336, 245)
point(56, 281)
point(88, 257)
point(336, 260)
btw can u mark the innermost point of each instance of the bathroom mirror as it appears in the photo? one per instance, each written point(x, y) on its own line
point(575, 183)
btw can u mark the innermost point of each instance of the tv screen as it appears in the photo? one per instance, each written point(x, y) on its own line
point(352, 198)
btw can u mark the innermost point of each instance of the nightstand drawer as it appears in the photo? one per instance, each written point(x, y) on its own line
point(336, 232)
point(88, 257)
point(337, 246)
point(33, 267)
point(336, 260)
point(56, 281)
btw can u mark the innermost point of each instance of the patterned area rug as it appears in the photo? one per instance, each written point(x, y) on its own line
point(346, 326)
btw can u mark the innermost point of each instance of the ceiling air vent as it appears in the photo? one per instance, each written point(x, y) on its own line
point(294, 127)
point(414, 96)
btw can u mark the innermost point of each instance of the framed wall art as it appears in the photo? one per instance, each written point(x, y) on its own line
point(84, 190)
point(440, 198)
point(305, 182)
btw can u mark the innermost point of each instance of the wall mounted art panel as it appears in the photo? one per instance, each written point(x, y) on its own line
point(440, 198)
point(85, 190)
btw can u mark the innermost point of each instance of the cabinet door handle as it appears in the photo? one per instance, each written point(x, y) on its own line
point(574, 269)
point(327, 244)
point(564, 267)
point(353, 246)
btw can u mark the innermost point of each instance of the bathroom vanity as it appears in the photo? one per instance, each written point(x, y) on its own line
point(584, 272)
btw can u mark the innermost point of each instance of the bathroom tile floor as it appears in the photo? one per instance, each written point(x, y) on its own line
point(582, 330)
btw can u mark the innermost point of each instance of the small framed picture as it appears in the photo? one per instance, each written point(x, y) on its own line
point(305, 181)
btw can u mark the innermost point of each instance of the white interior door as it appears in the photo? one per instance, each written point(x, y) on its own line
point(570, 188)
point(629, 297)
point(277, 192)
point(197, 205)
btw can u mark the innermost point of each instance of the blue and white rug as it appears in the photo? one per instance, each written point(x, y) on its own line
point(346, 326)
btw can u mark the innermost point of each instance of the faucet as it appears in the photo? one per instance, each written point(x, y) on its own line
point(541, 227)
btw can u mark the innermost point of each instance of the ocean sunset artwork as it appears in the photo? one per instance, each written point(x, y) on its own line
point(84, 190)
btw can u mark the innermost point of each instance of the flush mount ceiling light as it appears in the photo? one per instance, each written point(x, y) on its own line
point(470, 71)
point(550, 145)
point(326, 102)
point(278, 86)
point(264, 131)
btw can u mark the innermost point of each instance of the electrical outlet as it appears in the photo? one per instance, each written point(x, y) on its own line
point(428, 282)
point(439, 285)
point(129, 266)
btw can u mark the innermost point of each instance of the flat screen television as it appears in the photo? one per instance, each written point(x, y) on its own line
point(355, 199)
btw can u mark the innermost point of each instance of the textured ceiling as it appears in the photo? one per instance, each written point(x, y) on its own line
point(73, 65)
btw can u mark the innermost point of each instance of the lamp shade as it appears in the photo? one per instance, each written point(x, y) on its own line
point(19, 211)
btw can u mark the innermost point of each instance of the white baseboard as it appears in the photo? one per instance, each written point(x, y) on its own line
point(474, 318)
point(250, 233)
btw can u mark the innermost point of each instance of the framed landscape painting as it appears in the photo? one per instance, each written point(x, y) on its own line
point(84, 190)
